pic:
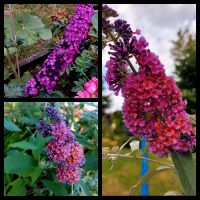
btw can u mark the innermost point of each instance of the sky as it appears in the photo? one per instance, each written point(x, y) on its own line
point(159, 24)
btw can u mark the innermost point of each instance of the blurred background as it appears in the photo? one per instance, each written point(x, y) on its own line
point(171, 33)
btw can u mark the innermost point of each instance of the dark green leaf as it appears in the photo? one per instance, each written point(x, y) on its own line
point(9, 125)
point(28, 121)
point(18, 188)
point(36, 174)
point(186, 170)
point(20, 164)
point(84, 188)
point(57, 188)
point(91, 160)
point(23, 145)
point(58, 94)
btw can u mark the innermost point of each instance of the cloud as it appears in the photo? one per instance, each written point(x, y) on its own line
point(159, 24)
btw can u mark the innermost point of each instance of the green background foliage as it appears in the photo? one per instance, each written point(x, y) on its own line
point(27, 170)
point(184, 53)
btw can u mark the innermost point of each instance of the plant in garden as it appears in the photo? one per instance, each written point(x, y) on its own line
point(63, 55)
point(62, 147)
point(78, 54)
point(39, 159)
point(153, 106)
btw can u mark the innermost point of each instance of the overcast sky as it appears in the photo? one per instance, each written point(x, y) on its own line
point(159, 24)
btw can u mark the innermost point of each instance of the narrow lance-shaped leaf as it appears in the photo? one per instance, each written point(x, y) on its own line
point(186, 170)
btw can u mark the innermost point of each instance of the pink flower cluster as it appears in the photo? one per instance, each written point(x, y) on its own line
point(63, 55)
point(90, 89)
point(72, 175)
point(153, 106)
point(63, 149)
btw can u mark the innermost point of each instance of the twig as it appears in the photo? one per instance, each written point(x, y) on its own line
point(15, 40)
point(141, 158)
point(10, 63)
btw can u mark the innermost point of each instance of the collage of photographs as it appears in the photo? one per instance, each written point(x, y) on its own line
point(99, 100)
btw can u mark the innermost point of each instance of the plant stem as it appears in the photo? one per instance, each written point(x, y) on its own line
point(141, 158)
point(72, 192)
point(85, 76)
point(15, 40)
point(10, 63)
point(128, 61)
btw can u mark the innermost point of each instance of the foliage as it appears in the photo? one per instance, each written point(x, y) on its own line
point(186, 170)
point(28, 29)
point(27, 170)
point(184, 53)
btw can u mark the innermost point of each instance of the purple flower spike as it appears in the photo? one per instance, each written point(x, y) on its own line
point(63, 55)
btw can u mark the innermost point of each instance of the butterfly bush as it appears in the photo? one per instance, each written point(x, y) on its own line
point(90, 89)
point(64, 53)
point(62, 147)
point(153, 106)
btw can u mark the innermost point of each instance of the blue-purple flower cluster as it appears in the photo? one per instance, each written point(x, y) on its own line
point(63, 55)
point(62, 147)
point(107, 13)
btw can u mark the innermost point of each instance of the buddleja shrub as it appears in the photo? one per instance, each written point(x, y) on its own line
point(71, 67)
point(50, 150)
point(64, 53)
point(153, 107)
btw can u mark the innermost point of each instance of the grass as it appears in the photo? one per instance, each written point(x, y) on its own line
point(126, 173)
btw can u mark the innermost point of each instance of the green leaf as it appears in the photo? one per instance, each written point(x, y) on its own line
point(58, 94)
point(13, 91)
point(26, 76)
point(36, 154)
point(13, 82)
point(36, 174)
point(12, 50)
point(57, 188)
point(91, 160)
point(20, 164)
point(18, 188)
point(186, 170)
point(84, 188)
point(95, 20)
point(6, 73)
point(23, 145)
point(45, 34)
point(27, 28)
point(9, 125)
point(148, 176)
point(28, 121)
